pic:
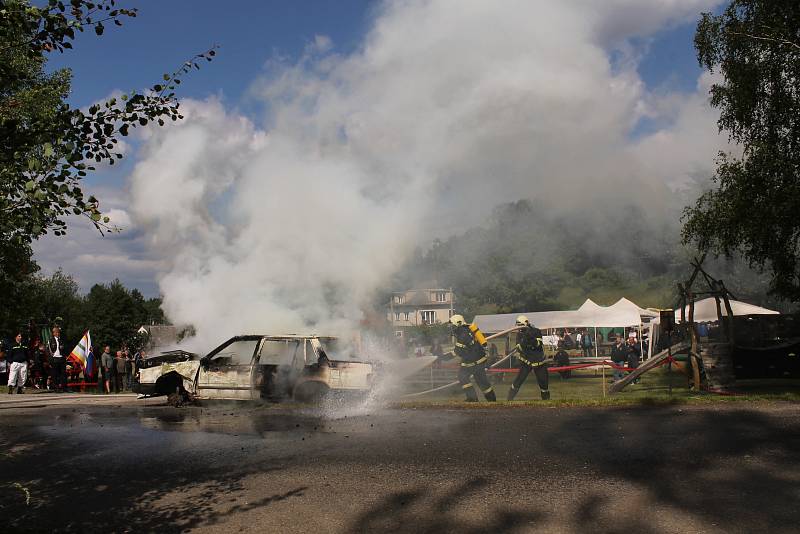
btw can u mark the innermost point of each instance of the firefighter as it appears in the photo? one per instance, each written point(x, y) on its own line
point(471, 348)
point(530, 353)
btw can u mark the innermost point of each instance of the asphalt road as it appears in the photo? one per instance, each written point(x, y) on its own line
point(115, 464)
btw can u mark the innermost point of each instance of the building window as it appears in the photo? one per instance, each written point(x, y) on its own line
point(440, 296)
point(396, 316)
point(429, 317)
point(398, 333)
point(399, 299)
point(406, 316)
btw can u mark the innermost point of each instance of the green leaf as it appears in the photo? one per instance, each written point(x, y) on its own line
point(95, 216)
point(29, 185)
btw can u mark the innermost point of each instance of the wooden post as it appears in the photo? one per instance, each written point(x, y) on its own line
point(669, 367)
point(729, 310)
point(604, 380)
point(693, 351)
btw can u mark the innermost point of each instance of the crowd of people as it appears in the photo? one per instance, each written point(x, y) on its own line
point(47, 366)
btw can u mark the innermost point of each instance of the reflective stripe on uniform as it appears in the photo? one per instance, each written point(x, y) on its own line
point(472, 364)
point(488, 390)
point(466, 386)
point(530, 363)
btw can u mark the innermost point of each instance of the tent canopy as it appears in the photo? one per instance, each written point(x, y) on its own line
point(625, 304)
point(705, 311)
point(589, 305)
point(622, 313)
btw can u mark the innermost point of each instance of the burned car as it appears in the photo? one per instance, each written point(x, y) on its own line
point(171, 356)
point(262, 367)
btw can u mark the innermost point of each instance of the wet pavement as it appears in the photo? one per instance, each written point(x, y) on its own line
point(114, 463)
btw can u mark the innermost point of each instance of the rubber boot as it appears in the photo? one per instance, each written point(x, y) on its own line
point(10, 390)
point(491, 397)
point(512, 392)
point(545, 395)
point(19, 390)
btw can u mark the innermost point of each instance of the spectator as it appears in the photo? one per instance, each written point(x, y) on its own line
point(619, 355)
point(3, 367)
point(567, 340)
point(138, 363)
point(99, 373)
point(436, 350)
point(18, 370)
point(58, 366)
point(562, 360)
point(107, 366)
point(128, 370)
point(119, 363)
point(37, 369)
point(586, 344)
point(633, 354)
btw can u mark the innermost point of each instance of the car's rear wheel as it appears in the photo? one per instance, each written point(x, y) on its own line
point(171, 385)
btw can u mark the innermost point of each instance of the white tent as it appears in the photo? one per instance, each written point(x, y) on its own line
point(622, 313)
point(587, 316)
point(705, 311)
point(627, 305)
point(589, 305)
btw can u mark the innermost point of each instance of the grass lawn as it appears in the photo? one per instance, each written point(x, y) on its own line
point(585, 388)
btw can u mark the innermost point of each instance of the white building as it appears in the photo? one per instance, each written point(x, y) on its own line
point(419, 307)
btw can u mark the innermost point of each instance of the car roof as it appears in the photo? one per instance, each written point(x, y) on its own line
point(283, 337)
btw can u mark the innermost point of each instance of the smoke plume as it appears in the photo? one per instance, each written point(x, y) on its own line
point(289, 222)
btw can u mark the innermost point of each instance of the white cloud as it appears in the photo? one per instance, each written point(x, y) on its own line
point(685, 147)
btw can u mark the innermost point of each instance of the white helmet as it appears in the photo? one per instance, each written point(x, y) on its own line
point(523, 321)
point(457, 320)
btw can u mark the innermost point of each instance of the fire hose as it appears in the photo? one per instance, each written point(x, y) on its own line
point(451, 384)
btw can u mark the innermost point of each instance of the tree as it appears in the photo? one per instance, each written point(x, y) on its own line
point(755, 46)
point(46, 146)
point(114, 314)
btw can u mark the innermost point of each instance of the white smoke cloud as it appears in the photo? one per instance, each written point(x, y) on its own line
point(449, 108)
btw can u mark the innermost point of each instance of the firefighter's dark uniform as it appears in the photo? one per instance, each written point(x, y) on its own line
point(473, 363)
point(530, 353)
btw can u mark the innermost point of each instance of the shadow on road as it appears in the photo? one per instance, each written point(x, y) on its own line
point(734, 468)
point(422, 511)
point(151, 496)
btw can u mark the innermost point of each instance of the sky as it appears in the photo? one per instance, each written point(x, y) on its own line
point(318, 105)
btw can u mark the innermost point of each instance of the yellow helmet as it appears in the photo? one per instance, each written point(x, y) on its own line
point(523, 321)
point(457, 320)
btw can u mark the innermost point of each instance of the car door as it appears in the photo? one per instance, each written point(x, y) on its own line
point(228, 372)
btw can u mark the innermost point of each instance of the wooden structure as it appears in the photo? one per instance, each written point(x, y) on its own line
point(716, 356)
